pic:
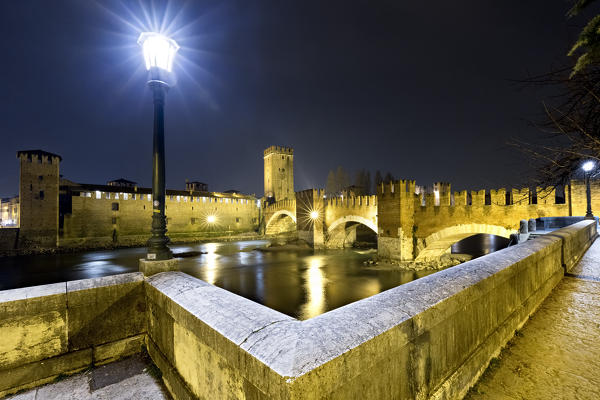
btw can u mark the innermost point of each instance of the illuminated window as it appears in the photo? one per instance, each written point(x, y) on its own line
point(107, 195)
point(125, 196)
point(116, 196)
point(98, 194)
point(178, 198)
point(149, 197)
point(204, 199)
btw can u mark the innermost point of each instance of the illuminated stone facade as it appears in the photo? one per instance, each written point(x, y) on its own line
point(57, 212)
point(9, 212)
point(279, 173)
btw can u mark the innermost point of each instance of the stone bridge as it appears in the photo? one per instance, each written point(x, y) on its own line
point(279, 217)
point(415, 226)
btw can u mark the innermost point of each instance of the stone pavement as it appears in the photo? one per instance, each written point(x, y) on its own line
point(557, 353)
point(128, 379)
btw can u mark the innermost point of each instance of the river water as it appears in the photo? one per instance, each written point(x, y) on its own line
point(301, 283)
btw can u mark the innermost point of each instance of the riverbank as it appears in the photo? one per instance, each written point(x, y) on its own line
point(446, 261)
point(175, 241)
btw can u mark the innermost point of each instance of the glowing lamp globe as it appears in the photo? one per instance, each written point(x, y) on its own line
point(314, 214)
point(211, 219)
point(588, 166)
point(159, 51)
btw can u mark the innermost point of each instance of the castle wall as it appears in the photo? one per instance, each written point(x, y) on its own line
point(94, 221)
point(578, 197)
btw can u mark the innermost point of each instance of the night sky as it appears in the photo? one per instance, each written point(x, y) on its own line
point(421, 89)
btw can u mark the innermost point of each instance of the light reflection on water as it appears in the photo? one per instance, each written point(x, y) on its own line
point(300, 283)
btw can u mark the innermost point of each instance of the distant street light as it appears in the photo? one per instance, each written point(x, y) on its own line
point(159, 52)
point(587, 167)
point(314, 214)
point(211, 219)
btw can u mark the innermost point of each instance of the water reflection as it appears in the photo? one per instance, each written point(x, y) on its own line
point(315, 289)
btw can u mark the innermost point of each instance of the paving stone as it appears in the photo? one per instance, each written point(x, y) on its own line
point(557, 353)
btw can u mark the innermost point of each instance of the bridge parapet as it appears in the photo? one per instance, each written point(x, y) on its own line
point(286, 204)
point(352, 201)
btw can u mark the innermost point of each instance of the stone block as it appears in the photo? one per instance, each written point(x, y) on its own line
point(33, 324)
point(41, 372)
point(149, 268)
point(103, 310)
point(113, 351)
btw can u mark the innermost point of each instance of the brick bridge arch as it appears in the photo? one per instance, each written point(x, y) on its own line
point(436, 244)
point(343, 229)
point(352, 218)
point(280, 217)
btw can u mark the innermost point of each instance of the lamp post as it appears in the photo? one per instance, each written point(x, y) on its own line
point(159, 52)
point(587, 167)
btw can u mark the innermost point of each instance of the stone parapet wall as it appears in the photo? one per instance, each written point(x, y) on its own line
point(62, 328)
point(430, 338)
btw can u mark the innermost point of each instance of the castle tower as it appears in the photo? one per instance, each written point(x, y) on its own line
point(395, 219)
point(38, 198)
point(279, 173)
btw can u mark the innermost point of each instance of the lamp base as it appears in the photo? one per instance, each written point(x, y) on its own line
point(150, 268)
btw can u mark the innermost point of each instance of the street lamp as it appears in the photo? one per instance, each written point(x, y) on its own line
point(587, 167)
point(314, 214)
point(159, 52)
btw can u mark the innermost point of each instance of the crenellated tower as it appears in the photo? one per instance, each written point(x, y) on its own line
point(279, 173)
point(38, 198)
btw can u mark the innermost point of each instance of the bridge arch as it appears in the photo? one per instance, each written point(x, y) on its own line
point(278, 216)
point(352, 218)
point(439, 242)
point(343, 231)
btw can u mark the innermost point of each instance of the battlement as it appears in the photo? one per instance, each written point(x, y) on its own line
point(278, 150)
point(40, 156)
point(352, 201)
point(402, 187)
point(287, 204)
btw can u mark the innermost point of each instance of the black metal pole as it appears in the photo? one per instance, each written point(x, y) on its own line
point(588, 195)
point(157, 244)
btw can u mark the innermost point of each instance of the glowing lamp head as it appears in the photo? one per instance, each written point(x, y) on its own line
point(159, 51)
point(588, 166)
point(211, 219)
point(314, 214)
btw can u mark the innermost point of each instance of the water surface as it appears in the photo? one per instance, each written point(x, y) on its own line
point(300, 283)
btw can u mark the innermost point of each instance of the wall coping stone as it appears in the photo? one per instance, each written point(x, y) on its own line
point(111, 280)
point(30, 292)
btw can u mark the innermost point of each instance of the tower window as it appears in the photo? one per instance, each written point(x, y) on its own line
point(41, 195)
point(41, 178)
point(115, 206)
